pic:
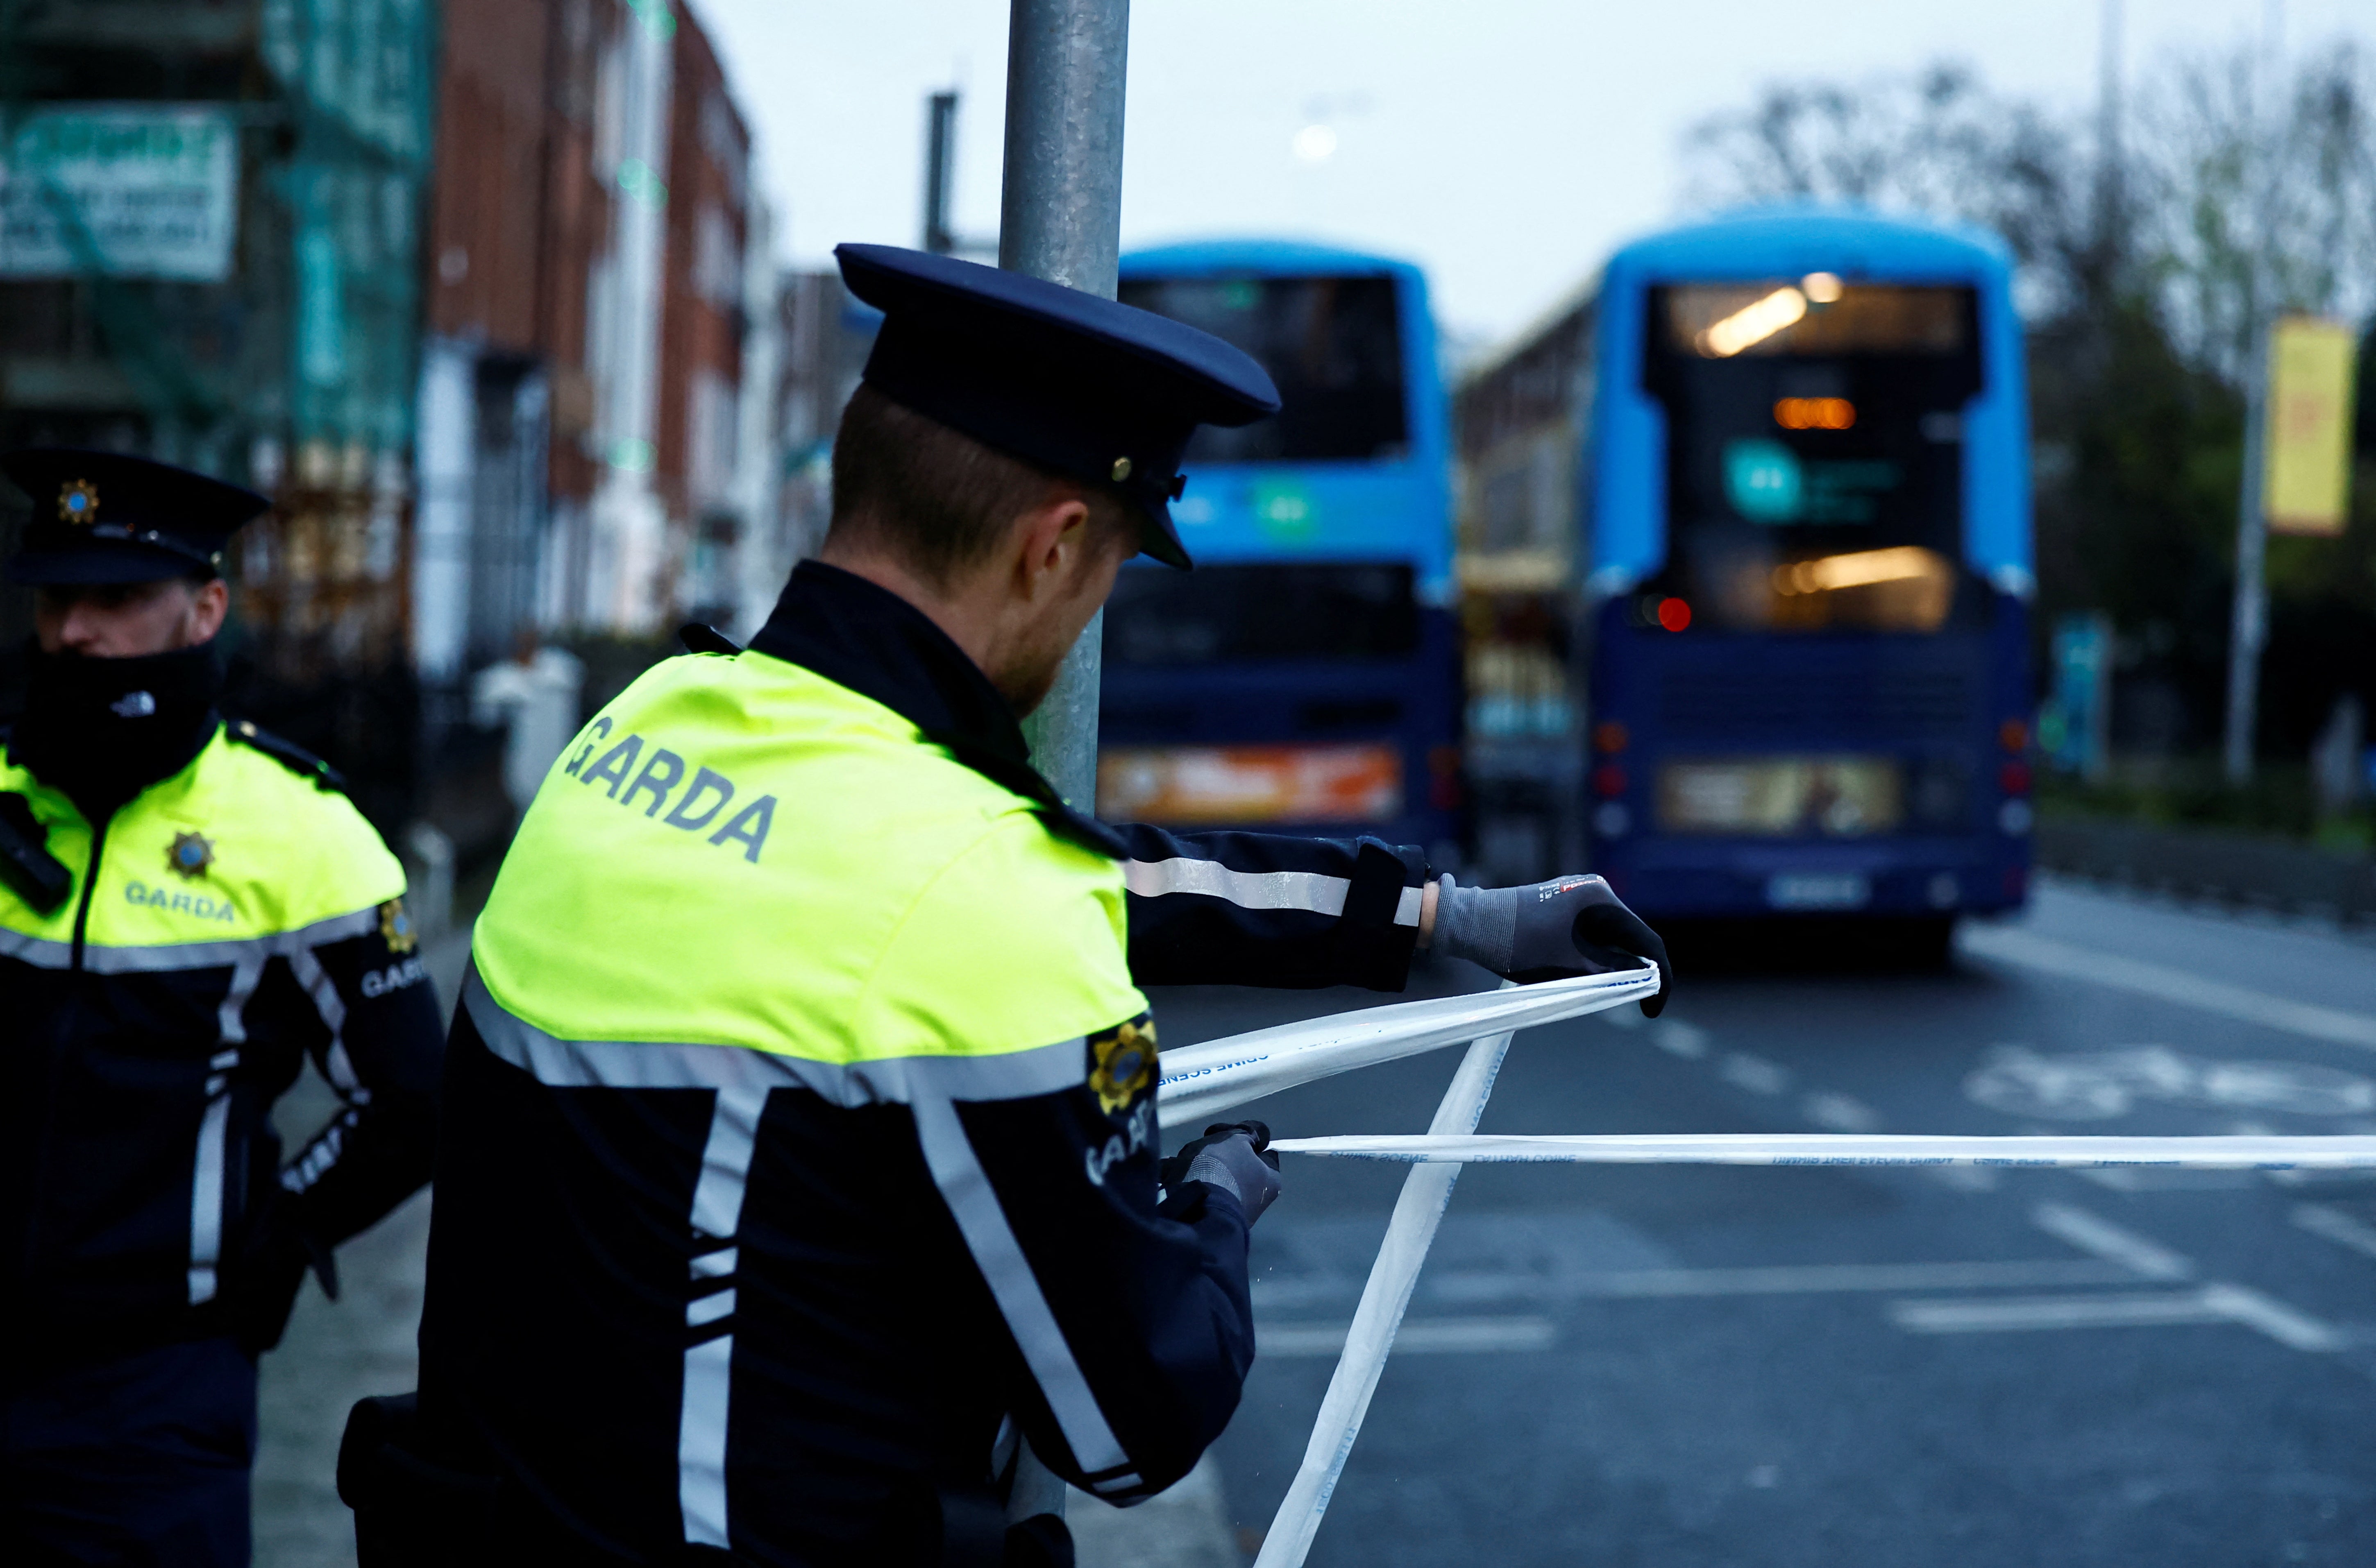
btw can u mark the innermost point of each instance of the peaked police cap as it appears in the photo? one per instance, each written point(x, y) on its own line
point(112, 517)
point(1093, 389)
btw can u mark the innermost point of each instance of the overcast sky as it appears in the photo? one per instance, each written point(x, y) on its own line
point(1504, 145)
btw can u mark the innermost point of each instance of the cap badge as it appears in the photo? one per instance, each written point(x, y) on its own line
point(1121, 469)
point(396, 927)
point(1122, 1064)
point(190, 856)
point(78, 501)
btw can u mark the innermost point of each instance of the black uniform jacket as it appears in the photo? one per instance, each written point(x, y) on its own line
point(143, 1193)
point(878, 1332)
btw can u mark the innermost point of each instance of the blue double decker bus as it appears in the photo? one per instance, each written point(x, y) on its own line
point(1305, 676)
point(1807, 571)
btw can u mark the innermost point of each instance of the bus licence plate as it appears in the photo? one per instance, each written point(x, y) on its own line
point(1234, 784)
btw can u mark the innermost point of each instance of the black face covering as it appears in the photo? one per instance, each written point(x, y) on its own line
point(103, 729)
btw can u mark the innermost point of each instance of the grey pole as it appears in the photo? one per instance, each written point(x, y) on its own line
point(1060, 217)
point(2249, 621)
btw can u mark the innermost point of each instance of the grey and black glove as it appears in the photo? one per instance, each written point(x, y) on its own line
point(1569, 925)
point(1233, 1156)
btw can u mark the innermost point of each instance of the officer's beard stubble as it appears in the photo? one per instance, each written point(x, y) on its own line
point(1028, 673)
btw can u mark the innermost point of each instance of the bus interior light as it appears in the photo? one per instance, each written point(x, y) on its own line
point(1814, 413)
point(1859, 568)
point(1752, 324)
point(1822, 288)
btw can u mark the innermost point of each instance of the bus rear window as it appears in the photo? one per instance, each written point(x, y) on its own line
point(1814, 451)
point(1333, 345)
point(1814, 316)
point(1217, 614)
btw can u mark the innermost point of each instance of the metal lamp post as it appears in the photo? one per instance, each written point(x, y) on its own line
point(1060, 217)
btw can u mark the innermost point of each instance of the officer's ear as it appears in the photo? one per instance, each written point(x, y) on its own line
point(1056, 541)
point(209, 603)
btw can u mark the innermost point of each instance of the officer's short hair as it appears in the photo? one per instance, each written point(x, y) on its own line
point(936, 499)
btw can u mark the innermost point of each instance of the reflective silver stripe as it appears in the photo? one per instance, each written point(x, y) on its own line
point(209, 1170)
point(631, 1064)
point(1247, 889)
point(207, 1181)
point(231, 1018)
point(37, 951)
point(104, 960)
point(336, 1065)
point(709, 1366)
point(1407, 907)
point(957, 1170)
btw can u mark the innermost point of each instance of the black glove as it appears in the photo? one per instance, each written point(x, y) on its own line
point(1233, 1156)
point(1569, 925)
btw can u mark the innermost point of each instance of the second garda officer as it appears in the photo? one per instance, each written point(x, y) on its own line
point(799, 1126)
point(189, 909)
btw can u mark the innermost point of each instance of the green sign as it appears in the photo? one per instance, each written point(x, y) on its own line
point(127, 190)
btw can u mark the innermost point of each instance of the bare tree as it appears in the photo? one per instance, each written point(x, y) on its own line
point(2215, 203)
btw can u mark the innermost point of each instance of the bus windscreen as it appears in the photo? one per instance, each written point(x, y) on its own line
point(1332, 344)
point(1221, 614)
point(1814, 450)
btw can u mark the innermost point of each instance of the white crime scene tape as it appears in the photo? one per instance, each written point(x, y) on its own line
point(1199, 1081)
point(2321, 1152)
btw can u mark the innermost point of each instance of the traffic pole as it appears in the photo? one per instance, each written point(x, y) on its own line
point(1060, 217)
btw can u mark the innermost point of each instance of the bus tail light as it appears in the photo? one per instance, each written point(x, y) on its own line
point(1443, 782)
point(2014, 778)
point(1610, 736)
point(2013, 736)
point(1608, 779)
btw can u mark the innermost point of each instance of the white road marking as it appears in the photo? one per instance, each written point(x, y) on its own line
point(1797, 1280)
point(2022, 1313)
point(2008, 944)
point(1417, 1336)
point(1754, 1074)
point(1841, 1113)
point(2288, 1326)
point(1789, 1279)
point(2100, 1237)
point(1677, 1037)
point(2236, 1304)
point(2337, 1226)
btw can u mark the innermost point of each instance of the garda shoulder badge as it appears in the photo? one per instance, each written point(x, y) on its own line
point(1122, 1063)
point(190, 856)
point(396, 927)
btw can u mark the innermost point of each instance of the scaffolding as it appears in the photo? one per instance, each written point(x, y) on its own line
point(272, 342)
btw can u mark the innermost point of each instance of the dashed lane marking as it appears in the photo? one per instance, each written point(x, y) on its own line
point(1787, 1279)
point(2092, 1235)
point(2236, 1304)
point(2007, 944)
point(1456, 1336)
point(2337, 1227)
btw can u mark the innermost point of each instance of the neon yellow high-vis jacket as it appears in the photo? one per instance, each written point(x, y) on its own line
point(800, 1123)
point(225, 923)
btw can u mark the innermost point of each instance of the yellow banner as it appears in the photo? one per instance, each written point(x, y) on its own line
point(2306, 482)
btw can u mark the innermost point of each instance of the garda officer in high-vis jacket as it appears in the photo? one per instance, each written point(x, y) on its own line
point(799, 1144)
point(188, 909)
